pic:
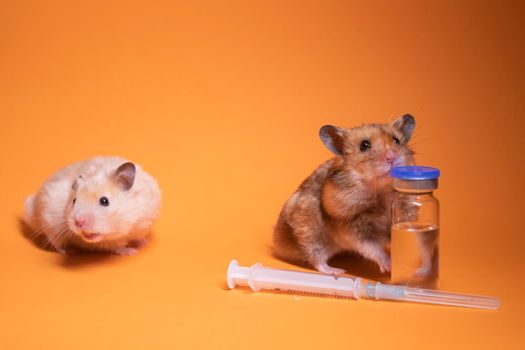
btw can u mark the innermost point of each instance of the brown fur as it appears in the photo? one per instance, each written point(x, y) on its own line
point(344, 204)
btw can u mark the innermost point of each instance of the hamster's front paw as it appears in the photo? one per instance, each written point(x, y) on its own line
point(138, 243)
point(123, 251)
point(375, 252)
point(424, 271)
point(62, 251)
point(329, 270)
point(384, 263)
point(68, 251)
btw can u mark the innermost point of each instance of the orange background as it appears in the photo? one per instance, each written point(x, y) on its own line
point(222, 103)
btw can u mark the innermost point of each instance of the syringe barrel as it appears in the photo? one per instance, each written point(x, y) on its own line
point(258, 277)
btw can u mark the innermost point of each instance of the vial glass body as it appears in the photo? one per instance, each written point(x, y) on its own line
point(415, 235)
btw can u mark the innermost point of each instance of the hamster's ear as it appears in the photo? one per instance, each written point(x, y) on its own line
point(333, 138)
point(77, 182)
point(406, 124)
point(125, 175)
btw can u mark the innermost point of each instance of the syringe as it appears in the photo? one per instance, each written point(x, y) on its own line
point(258, 277)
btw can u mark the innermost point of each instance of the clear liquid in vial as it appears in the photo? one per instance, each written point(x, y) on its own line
point(415, 254)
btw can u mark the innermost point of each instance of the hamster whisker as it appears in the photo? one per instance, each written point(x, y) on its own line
point(33, 217)
point(50, 238)
point(362, 161)
point(415, 153)
point(40, 217)
point(414, 142)
point(42, 230)
point(67, 238)
point(49, 226)
point(406, 151)
point(425, 155)
point(56, 239)
point(37, 219)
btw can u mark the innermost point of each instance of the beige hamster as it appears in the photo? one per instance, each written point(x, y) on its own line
point(104, 204)
point(345, 204)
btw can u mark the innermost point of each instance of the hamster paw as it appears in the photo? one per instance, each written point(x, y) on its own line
point(375, 252)
point(123, 251)
point(138, 243)
point(67, 251)
point(423, 272)
point(384, 264)
point(329, 270)
point(62, 251)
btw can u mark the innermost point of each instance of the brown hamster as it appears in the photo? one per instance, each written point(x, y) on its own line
point(344, 205)
point(105, 203)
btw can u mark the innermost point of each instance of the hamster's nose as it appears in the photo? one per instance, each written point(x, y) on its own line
point(390, 156)
point(79, 222)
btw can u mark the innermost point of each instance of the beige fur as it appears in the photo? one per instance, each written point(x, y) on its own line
point(344, 205)
point(121, 227)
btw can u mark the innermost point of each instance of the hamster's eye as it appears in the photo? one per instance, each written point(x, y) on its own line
point(396, 140)
point(365, 145)
point(74, 201)
point(104, 201)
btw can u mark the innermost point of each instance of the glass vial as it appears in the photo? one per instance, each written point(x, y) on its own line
point(415, 227)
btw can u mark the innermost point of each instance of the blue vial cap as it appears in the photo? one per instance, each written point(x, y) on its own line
point(415, 173)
